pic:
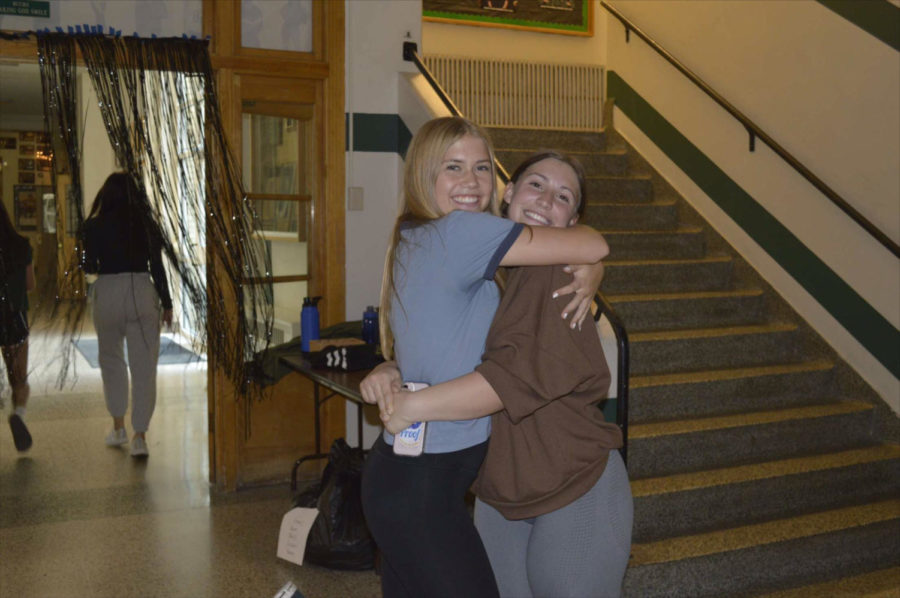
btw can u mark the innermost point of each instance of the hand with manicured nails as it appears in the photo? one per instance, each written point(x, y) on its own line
point(585, 283)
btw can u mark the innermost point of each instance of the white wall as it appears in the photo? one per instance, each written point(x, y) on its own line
point(825, 90)
point(374, 64)
point(450, 39)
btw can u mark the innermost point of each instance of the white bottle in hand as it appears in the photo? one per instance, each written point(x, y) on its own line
point(411, 441)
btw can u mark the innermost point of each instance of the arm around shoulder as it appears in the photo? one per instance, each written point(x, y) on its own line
point(542, 246)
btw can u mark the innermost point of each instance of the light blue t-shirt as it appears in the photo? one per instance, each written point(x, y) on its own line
point(443, 308)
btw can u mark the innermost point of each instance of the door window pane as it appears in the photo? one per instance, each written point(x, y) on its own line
point(278, 218)
point(273, 154)
point(277, 24)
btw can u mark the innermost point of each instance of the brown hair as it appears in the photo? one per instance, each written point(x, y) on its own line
point(420, 171)
point(571, 161)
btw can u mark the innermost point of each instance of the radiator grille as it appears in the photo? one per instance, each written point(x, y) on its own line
point(523, 94)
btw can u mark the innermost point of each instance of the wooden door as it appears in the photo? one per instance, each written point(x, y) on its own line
point(284, 118)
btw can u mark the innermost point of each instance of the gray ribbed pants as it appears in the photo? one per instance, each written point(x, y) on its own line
point(578, 551)
point(126, 306)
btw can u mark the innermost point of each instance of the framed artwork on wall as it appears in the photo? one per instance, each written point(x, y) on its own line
point(569, 17)
point(26, 207)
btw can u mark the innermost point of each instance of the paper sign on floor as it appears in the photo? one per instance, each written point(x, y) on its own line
point(295, 526)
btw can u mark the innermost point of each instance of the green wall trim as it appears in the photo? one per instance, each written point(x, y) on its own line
point(378, 133)
point(859, 318)
point(879, 18)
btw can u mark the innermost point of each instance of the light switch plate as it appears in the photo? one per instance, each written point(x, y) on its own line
point(355, 199)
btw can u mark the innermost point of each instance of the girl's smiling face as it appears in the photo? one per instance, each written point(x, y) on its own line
point(465, 178)
point(546, 194)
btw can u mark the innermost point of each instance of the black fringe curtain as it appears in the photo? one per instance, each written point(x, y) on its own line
point(159, 106)
point(61, 319)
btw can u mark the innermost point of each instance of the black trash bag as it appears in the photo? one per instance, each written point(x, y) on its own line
point(339, 538)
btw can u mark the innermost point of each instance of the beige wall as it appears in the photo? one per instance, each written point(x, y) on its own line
point(825, 90)
point(512, 44)
point(98, 159)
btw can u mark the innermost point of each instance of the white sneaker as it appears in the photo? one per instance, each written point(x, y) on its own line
point(139, 447)
point(117, 437)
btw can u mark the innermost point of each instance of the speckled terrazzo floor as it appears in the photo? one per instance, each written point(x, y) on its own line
point(78, 519)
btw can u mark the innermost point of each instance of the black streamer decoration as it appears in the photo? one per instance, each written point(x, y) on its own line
point(159, 106)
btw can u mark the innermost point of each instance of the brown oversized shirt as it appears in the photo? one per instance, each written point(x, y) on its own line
point(550, 444)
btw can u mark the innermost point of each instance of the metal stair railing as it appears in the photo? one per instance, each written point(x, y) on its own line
point(756, 132)
point(410, 54)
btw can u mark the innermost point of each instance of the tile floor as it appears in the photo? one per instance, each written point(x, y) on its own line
point(79, 519)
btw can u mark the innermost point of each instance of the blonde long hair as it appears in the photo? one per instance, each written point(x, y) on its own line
point(420, 171)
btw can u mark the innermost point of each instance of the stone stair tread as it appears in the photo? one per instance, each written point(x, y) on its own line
point(883, 583)
point(710, 259)
point(764, 470)
point(619, 177)
point(658, 231)
point(753, 418)
point(770, 532)
point(727, 373)
point(619, 298)
point(627, 204)
point(688, 333)
point(611, 151)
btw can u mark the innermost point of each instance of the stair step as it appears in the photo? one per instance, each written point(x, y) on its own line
point(715, 498)
point(660, 311)
point(763, 556)
point(680, 243)
point(722, 391)
point(769, 532)
point(609, 161)
point(654, 215)
point(669, 447)
point(712, 273)
point(619, 189)
point(883, 583)
point(720, 347)
point(566, 141)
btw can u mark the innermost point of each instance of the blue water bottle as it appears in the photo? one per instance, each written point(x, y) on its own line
point(309, 322)
point(370, 326)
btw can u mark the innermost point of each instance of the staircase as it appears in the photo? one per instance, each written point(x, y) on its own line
point(760, 463)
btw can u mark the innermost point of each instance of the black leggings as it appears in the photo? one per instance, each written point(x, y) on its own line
point(415, 508)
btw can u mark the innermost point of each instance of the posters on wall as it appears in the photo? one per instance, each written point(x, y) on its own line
point(26, 206)
point(570, 17)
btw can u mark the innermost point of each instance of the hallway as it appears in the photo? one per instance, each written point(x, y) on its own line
point(79, 519)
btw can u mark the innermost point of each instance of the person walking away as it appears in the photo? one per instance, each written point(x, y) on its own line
point(123, 245)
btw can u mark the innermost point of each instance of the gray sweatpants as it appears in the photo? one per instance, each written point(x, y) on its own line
point(578, 551)
point(126, 306)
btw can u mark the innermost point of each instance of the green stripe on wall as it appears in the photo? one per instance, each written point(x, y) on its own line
point(860, 319)
point(879, 18)
point(379, 133)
